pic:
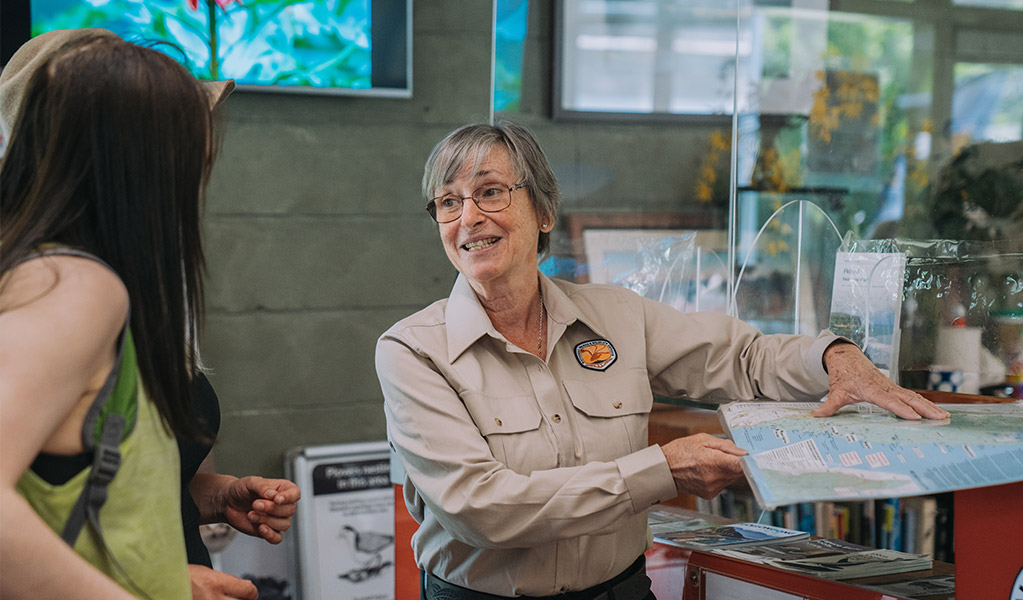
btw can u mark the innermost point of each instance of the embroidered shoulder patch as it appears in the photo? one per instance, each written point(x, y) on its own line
point(596, 354)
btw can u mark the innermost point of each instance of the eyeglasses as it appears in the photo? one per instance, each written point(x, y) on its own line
point(489, 198)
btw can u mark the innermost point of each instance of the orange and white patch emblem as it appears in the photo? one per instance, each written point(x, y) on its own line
point(596, 354)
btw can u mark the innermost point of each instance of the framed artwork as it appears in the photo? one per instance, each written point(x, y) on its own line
point(674, 259)
point(355, 48)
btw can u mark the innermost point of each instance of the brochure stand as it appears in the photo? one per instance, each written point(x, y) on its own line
point(989, 542)
point(683, 574)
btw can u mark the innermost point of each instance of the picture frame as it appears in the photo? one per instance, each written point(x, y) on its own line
point(361, 48)
point(677, 259)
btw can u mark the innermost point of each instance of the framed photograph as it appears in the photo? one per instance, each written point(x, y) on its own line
point(671, 258)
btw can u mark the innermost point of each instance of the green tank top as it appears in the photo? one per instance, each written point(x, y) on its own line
point(142, 547)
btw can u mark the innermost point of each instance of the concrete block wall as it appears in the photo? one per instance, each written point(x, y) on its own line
point(317, 240)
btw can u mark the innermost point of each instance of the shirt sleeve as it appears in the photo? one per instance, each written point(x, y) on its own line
point(716, 358)
point(476, 498)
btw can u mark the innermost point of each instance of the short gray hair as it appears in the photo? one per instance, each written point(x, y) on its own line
point(475, 142)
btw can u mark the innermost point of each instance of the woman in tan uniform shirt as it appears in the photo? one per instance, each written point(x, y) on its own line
point(519, 405)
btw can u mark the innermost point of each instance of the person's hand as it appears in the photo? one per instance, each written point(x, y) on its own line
point(703, 464)
point(853, 378)
point(261, 507)
point(208, 584)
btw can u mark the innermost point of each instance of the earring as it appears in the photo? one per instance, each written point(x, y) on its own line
point(543, 227)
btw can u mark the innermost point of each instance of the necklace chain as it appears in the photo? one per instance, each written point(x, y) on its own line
point(539, 329)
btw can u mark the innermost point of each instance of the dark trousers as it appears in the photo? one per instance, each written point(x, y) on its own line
point(630, 584)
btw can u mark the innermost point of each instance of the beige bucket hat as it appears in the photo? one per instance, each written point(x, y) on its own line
point(36, 51)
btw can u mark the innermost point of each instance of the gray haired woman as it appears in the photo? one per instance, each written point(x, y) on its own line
point(519, 404)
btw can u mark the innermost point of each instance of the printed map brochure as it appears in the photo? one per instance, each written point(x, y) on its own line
point(731, 536)
point(865, 452)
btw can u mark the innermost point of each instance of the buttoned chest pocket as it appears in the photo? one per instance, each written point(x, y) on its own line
point(512, 427)
point(612, 412)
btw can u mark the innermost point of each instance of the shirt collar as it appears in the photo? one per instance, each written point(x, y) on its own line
point(466, 320)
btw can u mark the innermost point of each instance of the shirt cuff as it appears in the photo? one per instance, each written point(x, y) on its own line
point(647, 477)
point(814, 357)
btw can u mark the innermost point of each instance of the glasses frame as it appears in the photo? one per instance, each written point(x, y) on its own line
point(431, 206)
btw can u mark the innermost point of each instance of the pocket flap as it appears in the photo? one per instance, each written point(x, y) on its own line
point(622, 394)
point(502, 414)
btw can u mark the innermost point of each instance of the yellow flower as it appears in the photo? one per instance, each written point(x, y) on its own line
point(703, 192)
point(718, 141)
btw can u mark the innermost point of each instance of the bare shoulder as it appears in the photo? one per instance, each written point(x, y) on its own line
point(66, 287)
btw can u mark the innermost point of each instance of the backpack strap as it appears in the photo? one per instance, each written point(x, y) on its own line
point(106, 423)
point(101, 434)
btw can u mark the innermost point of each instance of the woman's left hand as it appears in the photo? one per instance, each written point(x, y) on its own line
point(261, 507)
point(853, 378)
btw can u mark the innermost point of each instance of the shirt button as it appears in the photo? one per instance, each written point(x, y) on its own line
point(498, 421)
point(556, 418)
point(617, 404)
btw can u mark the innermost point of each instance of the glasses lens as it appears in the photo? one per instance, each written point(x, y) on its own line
point(492, 198)
point(445, 209)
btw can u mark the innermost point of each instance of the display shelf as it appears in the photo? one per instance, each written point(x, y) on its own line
point(683, 574)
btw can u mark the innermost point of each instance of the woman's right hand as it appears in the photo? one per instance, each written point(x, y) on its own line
point(703, 464)
point(208, 584)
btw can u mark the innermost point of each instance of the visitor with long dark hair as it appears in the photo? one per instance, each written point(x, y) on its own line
point(101, 267)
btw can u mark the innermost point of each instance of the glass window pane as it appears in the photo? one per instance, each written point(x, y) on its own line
point(655, 56)
point(988, 102)
point(1003, 4)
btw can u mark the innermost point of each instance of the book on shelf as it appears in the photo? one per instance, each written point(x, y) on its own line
point(920, 518)
point(735, 535)
point(944, 545)
point(830, 558)
point(890, 525)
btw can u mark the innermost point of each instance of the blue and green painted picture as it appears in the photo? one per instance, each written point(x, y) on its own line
point(300, 43)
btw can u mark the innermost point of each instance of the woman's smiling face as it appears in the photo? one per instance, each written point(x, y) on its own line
point(497, 248)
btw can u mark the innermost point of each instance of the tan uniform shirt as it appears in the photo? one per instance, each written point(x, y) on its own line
point(533, 478)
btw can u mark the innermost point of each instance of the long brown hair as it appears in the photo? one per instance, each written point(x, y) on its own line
point(110, 153)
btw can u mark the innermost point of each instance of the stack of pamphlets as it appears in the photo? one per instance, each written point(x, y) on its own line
point(831, 559)
point(665, 522)
point(736, 535)
point(932, 587)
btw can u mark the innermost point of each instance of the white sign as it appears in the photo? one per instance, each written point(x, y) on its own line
point(345, 523)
